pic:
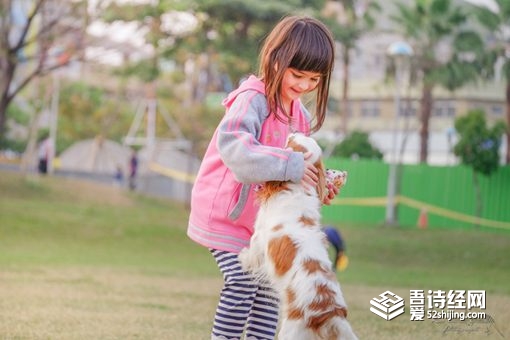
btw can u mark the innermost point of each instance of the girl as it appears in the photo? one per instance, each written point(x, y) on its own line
point(248, 148)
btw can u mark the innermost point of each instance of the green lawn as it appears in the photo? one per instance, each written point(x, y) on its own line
point(84, 261)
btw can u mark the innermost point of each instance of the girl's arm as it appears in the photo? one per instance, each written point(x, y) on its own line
point(244, 155)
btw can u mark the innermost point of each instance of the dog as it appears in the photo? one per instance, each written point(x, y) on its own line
point(289, 249)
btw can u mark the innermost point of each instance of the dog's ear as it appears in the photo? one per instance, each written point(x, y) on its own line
point(322, 189)
point(295, 146)
point(270, 188)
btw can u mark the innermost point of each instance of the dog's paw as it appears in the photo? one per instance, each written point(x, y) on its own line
point(244, 256)
point(251, 260)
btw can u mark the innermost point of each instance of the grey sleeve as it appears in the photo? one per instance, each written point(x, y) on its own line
point(244, 155)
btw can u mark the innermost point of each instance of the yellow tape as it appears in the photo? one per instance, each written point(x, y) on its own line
point(381, 201)
point(178, 175)
point(367, 201)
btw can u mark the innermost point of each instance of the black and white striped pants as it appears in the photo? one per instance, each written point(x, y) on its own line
point(245, 305)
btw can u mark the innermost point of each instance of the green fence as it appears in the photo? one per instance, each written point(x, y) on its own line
point(445, 194)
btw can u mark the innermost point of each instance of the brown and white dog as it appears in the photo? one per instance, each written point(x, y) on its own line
point(289, 249)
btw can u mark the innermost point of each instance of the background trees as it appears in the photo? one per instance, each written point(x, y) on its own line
point(88, 111)
point(429, 26)
point(497, 52)
point(478, 147)
point(348, 20)
point(212, 55)
point(358, 145)
point(235, 29)
point(219, 45)
point(41, 36)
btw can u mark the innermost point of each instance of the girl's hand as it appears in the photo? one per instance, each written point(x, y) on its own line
point(310, 177)
point(332, 192)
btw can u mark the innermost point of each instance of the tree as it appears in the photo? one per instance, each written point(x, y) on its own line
point(150, 19)
point(36, 38)
point(224, 41)
point(162, 28)
point(497, 24)
point(348, 20)
point(428, 25)
point(478, 147)
point(87, 111)
point(220, 49)
point(357, 144)
point(236, 29)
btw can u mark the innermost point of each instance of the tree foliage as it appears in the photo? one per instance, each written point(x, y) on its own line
point(348, 24)
point(149, 18)
point(36, 38)
point(237, 28)
point(87, 112)
point(478, 147)
point(497, 24)
point(357, 144)
point(229, 31)
point(479, 144)
point(221, 49)
point(429, 26)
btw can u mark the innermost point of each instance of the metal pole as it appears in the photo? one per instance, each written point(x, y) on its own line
point(399, 51)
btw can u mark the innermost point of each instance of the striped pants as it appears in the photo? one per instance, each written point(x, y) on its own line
point(244, 305)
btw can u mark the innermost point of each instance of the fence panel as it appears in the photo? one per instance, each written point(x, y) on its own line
point(446, 193)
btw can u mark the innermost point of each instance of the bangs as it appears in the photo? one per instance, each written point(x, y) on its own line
point(304, 44)
point(312, 52)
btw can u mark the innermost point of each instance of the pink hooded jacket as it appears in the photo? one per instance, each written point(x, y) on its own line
point(247, 148)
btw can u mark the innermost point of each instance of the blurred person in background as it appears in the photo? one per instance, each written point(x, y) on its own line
point(133, 169)
point(44, 154)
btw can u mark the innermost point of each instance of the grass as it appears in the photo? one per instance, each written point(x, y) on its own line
point(83, 261)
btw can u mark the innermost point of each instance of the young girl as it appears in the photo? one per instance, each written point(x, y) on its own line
point(247, 148)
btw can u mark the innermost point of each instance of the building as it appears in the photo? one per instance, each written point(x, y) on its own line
point(372, 101)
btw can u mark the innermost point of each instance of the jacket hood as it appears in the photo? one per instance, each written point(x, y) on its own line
point(252, 83)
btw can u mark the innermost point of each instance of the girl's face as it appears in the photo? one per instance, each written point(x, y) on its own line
point(296, 83)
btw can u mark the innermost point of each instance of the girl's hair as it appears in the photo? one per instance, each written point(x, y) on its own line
point(302, 43)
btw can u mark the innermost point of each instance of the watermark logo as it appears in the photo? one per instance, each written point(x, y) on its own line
point(456, 311)
point(447, 305)
point(388, 306)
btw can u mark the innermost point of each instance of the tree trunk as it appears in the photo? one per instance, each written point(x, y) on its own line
point(479, 203)
point(345, 94)
point(6, 75)
point(3, 115)
point(426, 112)
point(507, 158)
point(29, 156)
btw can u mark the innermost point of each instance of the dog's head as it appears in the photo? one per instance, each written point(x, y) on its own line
point(300, 143)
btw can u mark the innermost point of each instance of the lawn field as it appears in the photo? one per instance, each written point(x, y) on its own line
point(85, 261)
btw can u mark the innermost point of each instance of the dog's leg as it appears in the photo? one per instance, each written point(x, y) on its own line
point(293, 330)
point(252, 258)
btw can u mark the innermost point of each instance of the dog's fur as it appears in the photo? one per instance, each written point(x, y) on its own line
point(289, 249)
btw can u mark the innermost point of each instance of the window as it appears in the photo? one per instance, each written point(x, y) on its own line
point(408, 108)
point(370, 108)
point(444, 108)
point(497, 110)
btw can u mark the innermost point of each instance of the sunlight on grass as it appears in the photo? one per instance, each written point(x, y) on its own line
point(83, 261)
